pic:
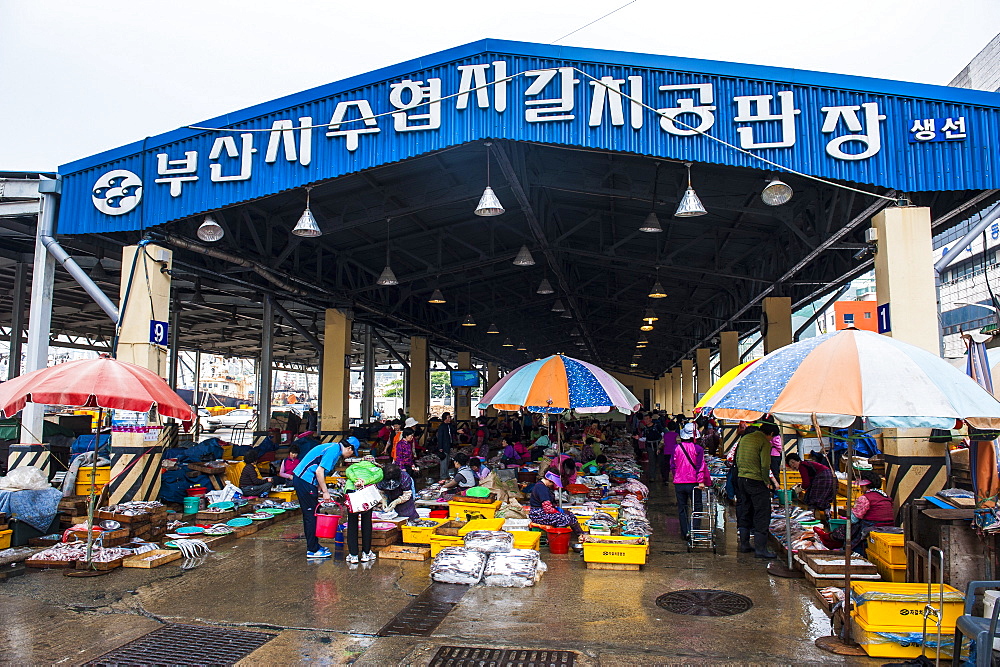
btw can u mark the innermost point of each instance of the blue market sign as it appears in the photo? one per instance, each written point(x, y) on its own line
point(910, 137)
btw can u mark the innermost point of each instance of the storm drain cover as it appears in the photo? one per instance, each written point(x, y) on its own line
point(476, 656)
point(178, 644)
point(422, 616)
point(704, 602)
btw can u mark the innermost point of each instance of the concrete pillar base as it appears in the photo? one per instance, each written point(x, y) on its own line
point(26, 454)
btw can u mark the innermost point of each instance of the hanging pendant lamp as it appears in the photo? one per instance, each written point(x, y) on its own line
point(492, 329)
point(657, 291)
point(437, 297)
point(210, 230)
point(650, 316)
point(776, 192)
point(646, 327)
point(652, 224)
point(574, 332)
point(306, 227)
point(387, 278)
point(568, 315)
point(468, 321)
point(545, 287)
point(522, 348)
point(489, 205)
point(558, 307)
point(524, 257)
point(507, 343)
point(690, 206)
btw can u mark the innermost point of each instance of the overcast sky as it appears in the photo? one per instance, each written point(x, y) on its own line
point(80, 77)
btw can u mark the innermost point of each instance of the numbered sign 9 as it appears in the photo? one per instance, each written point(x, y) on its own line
point(158, 332)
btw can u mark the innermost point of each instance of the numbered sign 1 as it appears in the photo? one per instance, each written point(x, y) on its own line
point(158, 332)
point(884, 325)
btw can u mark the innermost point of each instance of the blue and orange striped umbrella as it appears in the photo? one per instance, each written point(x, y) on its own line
point(559, 383)
point(841, 376)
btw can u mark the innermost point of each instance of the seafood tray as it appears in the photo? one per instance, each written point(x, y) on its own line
point(152, 559)
point(400, 552)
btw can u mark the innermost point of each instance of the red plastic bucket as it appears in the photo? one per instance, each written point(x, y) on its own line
point(326, 525)
point(559, 540)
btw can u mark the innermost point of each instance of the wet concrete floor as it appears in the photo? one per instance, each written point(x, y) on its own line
point(325, 612)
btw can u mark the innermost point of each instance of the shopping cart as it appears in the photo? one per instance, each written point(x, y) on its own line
point(704, 508)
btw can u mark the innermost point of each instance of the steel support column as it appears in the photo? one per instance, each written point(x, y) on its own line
point(368, 372)
point(265, 371)
point(17, 319)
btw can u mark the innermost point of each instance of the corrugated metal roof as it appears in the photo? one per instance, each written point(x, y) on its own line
point(89, 194)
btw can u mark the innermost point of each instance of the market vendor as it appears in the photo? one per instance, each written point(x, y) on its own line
point(251, 483)
point(872, 509)
point(542, 509)
point(310, 487)
point(481, 469)
point(399, 491)
point(596, 467)
point(514, 451)
point(465, 477)
point(403, 453)
point(287, 469)
point(818, 482)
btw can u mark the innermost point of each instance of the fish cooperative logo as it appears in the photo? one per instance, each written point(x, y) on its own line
point(117, 192)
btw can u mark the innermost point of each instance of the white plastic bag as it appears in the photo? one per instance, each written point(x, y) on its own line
point(25, 478)
point(458, 565)
point(225, 494)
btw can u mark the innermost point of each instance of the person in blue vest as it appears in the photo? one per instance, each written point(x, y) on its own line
point(309, 480)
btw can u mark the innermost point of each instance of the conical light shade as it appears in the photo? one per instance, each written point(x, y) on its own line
point(197, 297)
point(650, 316)
point(651, 224)
point(468, 321)
point(492, 329)
point(306, 226)
point(522, 348)
point(489, 204)
point(643, 340)
point(634, 365)
point(545, 287)
point(574, 332)
point(568, 315)
point(640, 346)
point(98, 272)
point(524, 257)
point(558, 307)
point(657, 291)
point(387, 278)
point(210, 230)
point(690, 206)
point(437, 297)
point(507, 343)
point(776, 192)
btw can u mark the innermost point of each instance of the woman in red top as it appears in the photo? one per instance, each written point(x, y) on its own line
point(872, 509)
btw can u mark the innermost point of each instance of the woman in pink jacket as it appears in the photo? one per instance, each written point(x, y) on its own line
point(690, 472)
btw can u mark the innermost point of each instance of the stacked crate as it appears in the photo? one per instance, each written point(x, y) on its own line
point(887, 552)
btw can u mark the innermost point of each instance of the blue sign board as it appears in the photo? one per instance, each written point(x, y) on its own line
point(159, 332)
point(884, 324)
point(866, 131)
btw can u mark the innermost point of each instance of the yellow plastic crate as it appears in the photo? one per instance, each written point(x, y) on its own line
point(888, 571)
point(439, 542)
point(526, 539)
point(459, 510)
point(629, 554)
point(5, 537)
point(83, 488)
point(907, 611)
point(894, 641)
point(481, 524)
point(102, 477)
point(887, 546)
point(420, 535)
point(286, 496)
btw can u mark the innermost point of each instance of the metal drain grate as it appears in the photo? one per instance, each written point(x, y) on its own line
point(704, 602)
point(475, 656)
point(422, 616)
point(177, 644)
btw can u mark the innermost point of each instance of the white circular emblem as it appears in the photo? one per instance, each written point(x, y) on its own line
point(117, 192)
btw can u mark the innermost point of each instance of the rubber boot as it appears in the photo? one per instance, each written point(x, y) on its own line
point(745, 546)
point(760, 546)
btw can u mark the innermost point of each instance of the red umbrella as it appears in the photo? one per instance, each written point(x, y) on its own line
point(94, 383)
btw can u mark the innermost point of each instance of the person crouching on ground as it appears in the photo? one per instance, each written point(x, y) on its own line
point(543, 511)
point(818, 482)
point(251, 483)
point(309, 481)
point(690, 472)
point(465, 477)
